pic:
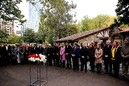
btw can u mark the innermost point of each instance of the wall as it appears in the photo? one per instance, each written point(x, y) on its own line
point(94, 37)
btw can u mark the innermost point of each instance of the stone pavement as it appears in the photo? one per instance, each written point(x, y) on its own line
point(18, 75)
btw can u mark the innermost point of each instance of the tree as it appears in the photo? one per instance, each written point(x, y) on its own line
point(29, 36)
point(100, 21)
point(10, 11)
point(123, 26)
point(3, 36)
point(70, 29)
point(14, 39)
point(86, 24)
point(122, 11)
point(55, 16)
point(44, 33)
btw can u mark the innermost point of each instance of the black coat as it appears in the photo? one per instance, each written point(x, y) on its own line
point(91, 53)
point(107, 50)
point(57, 50)
point(49, 51)
point(35, 50)
point(68, 49)
point(75, 51)
point(83, 52)
point(40, 50)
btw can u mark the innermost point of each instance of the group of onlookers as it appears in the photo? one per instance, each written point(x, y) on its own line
point(17, 53)
point(11, 54)
point(73, 55)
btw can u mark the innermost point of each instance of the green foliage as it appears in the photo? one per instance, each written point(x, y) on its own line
point(9, 10)
point(3, 36)
point(122, 11)
point(100, 21)
point(54, 17)
point(70, 29)
point(124, 26)
point(44, 32)
point(14, 39)
point(6, 38)
point(29, 36)
point(86, 24)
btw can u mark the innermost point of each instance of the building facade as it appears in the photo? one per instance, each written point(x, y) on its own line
point(34, 15)
point(31, 14)
point(7, 26)
point(96, 35)
point(18, 27)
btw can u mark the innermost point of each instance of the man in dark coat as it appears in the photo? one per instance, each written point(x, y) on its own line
point(68, 50)
point(54, 54)
point(91, 56)
point(75, 56)
point(40, 49)
point(30, 49)
point(57, 56)
point(2, 55)
point(7, 53)
point(35, 49)
point(106, 54)
point(83, 56)
point(49, 54)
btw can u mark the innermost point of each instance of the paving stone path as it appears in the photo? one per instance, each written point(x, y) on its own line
point(18, 75)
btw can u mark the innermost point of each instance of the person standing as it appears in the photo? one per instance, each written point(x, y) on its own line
point(18, 53)
point(62, 55)
point(75, 56)
point(106, 52)
point(35, 49)
point(40, 49)
point(115, 58)
point(54, 54)
point(49, 53)
point(3, 55)
point(125, 57)
point(68, 50)
point(57, 55)
point(99, 57)
point(83, 57)
point(26, 53)
point(7, 53)
point(92, 57)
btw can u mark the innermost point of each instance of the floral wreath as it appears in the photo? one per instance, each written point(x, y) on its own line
point(37, 57)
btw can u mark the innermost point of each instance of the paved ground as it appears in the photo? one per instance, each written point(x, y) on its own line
point(18, 75)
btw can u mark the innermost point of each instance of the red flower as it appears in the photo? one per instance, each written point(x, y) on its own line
point(34, 56)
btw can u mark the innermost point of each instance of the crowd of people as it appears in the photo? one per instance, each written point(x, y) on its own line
point(73, 56)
